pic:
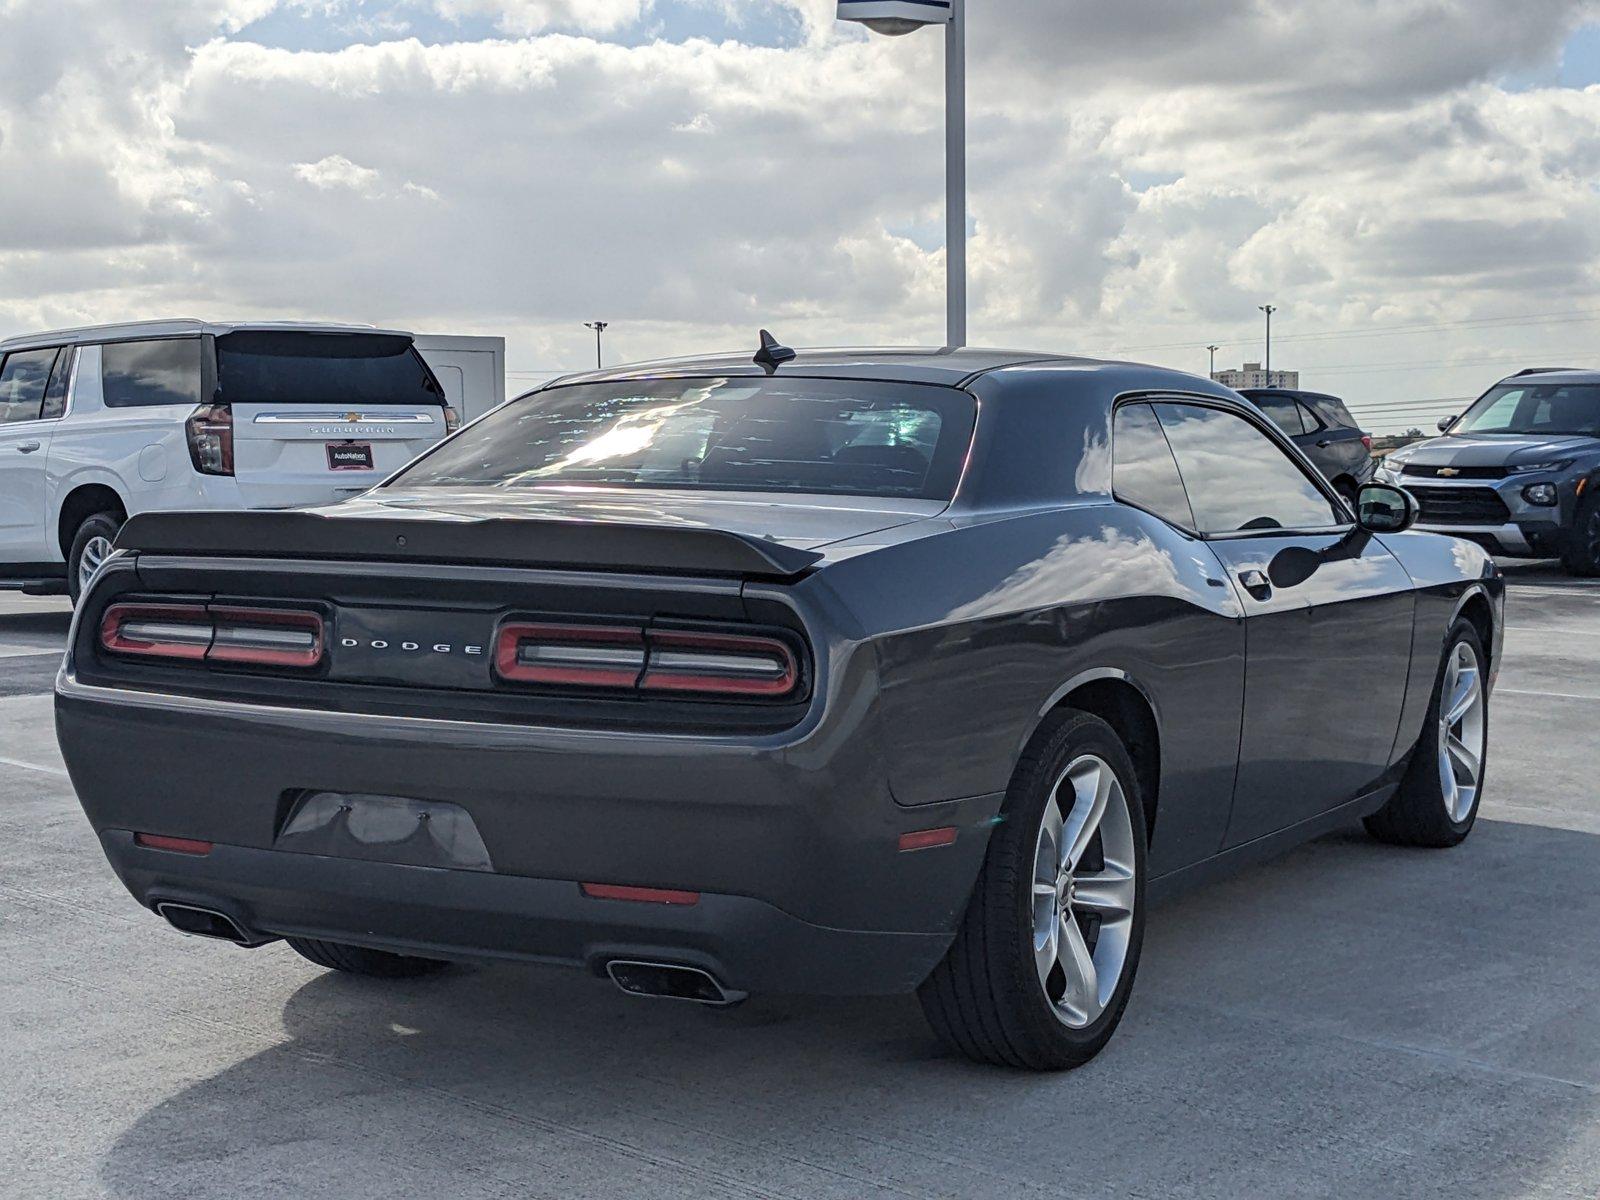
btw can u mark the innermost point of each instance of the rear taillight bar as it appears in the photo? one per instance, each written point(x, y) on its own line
point(260, 637)
point(629, 658)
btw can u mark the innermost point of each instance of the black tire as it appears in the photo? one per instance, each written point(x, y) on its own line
point(358, 960)
point(1582, 554)
point(986, 999)
point(97, 525)
point(1418, 814)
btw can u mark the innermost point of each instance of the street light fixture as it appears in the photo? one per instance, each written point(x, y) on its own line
point(895, 18)
point(1213, 350)
point(599, 327)
point(1269, 309)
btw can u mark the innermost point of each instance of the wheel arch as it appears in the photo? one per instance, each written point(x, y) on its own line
point(1474, 606)
point(81, 502)
point(1121, 701)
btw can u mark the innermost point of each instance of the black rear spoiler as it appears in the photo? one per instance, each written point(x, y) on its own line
point(498, 542)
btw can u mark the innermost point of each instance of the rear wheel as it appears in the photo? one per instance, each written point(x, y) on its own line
point(90, 546)
point(1042, 966)
point(1582, 555)
point(358, 960)
point(1437, 803)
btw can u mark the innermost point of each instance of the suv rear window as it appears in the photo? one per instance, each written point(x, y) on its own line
point(147, 374)
point(275, 367)
point(724, 434)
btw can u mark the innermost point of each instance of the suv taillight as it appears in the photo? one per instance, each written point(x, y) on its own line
point(264, 637)
point(731, 665)
point(452, 419)
point(210, 432)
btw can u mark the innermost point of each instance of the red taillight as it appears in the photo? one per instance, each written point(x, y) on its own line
point(265, 637)
point(719, 663)
point(452, 419)
point(1366, 440)
point(210, 433)
point(639, 895)
point(653, 660)
point(155, 841)
point(582, 655)
point(157, 630)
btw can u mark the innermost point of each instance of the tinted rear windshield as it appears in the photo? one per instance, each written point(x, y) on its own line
point(730, 434)
point(322, 368)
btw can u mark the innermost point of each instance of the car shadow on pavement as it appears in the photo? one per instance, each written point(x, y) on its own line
point(1350, 1020)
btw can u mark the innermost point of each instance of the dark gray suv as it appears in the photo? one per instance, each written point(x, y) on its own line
point(1519, 471)
point(1324, 430)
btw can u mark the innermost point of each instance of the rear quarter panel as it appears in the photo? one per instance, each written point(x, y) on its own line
point(978, 629)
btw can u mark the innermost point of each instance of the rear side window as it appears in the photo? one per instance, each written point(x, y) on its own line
point(279, 367)
point(1239, 480)
point(752, 434)
point(1144, 472)
point(23, 377)
point(151, 374)
point(1285, 413)
point(55, 395)
point(1314, 422)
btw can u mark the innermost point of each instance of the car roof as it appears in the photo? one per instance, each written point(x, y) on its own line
point(1555, 375)
point(1297, 393)
point(175, 327)
point(901, 364)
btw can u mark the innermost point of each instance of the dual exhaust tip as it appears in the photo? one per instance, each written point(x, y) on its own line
point(672, 981)
point(208, 923)
point(659, 980)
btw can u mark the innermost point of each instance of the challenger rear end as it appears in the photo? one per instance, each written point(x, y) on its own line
point(574, 688)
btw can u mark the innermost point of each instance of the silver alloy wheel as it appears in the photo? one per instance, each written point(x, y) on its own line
point(95, 551)
point(1462, 730)
point(1083, 891)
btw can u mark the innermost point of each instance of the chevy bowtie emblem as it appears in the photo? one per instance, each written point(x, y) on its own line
point(352, 416)
point(1448, 472)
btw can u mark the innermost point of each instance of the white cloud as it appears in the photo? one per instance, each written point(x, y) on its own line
point(337, 171)
point(1143, 174)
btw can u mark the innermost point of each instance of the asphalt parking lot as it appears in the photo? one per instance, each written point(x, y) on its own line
point(1352, 1020)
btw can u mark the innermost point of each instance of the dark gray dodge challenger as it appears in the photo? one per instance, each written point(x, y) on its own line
point(850, 673)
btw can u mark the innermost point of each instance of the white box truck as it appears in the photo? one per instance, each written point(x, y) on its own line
point(472, 370)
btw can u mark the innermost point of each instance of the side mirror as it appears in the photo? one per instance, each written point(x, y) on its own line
point(1445, 423)
point(1381, 508)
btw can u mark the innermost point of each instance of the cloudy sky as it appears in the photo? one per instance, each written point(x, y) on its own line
point(1412, 182)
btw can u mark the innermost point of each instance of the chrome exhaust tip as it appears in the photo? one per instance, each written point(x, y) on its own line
point(207, 923)
point(671, 981)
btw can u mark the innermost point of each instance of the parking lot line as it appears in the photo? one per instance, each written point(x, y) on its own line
point(28, 766)
point(1505, 691)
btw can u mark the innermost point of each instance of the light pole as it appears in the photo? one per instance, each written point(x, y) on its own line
point(897, 17)
point(1213, 350)
point(599, 327)
point(1269, 309)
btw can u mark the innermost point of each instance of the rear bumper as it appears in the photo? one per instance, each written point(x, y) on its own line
point(746, 944)
point(792, 840)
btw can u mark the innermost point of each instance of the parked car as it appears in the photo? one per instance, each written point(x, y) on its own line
point(1519, 471)
point(1322, 427)
point(100, 424)
point(849, 673)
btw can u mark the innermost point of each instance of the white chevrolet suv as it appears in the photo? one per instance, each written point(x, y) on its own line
point(99, 424)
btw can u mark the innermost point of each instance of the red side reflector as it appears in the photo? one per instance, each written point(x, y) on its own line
point(608, 891)
point(155, 841)
point(928, 839)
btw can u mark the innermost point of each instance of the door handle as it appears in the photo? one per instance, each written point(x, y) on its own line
point(1257, 584)
point(1324, 443)
point(27, 447)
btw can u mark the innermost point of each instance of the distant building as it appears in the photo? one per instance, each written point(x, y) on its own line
point(1252, 376)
